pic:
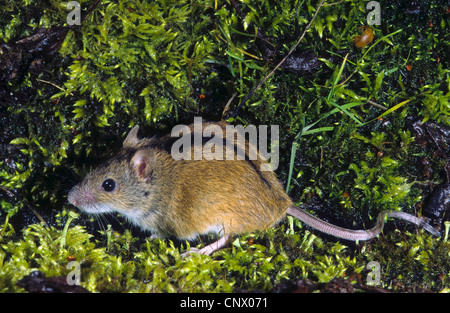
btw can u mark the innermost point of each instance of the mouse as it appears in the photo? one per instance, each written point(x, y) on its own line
point(149, 184)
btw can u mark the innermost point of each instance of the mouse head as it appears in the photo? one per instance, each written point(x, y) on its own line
point(119, 185)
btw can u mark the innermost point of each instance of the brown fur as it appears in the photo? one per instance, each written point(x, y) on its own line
point(184, 198)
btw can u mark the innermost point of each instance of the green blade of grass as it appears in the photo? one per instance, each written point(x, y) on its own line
point(390, 110)
point(351, 115)
point(291, 164)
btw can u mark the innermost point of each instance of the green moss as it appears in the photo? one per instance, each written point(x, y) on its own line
point(272, 257)
point(423, 261)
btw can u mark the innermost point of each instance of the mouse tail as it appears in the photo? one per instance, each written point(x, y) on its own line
point(357, 235)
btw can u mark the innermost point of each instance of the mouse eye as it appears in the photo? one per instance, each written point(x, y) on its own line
point(109, 185)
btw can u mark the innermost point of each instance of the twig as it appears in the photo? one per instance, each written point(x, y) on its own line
point(53, 84)
point(379, 106)
point(281, 62)
point(227, 106)
point(334, 3)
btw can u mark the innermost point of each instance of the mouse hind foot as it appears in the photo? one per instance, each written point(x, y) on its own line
point(211, 248)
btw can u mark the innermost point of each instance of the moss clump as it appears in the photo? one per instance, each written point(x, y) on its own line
point(118, 263)
point(157, 266)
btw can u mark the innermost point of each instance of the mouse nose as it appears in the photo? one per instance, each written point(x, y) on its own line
point(72, 199)
point(81, 196)
point(73, 202)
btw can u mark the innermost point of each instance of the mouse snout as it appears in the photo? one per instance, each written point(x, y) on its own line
point(73, 198)
point(73, 201)
point(80, 196)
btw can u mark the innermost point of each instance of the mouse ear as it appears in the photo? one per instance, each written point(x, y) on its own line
point(142, 163)
point(131, 140)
